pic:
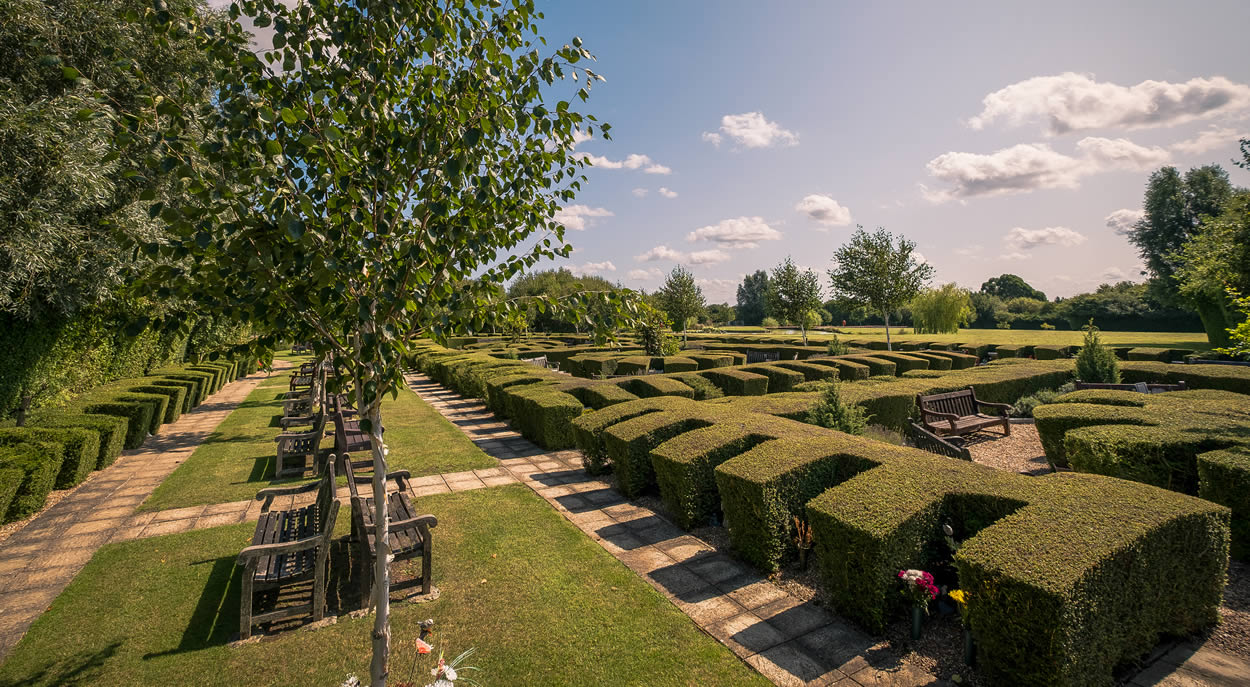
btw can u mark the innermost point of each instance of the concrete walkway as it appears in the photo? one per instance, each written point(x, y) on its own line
point(788, 641)
point(791, 642)
point(38, 561)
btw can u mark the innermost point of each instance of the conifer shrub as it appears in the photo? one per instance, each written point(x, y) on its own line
point(1095, 363)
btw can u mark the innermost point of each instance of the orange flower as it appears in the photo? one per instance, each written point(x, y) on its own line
point(423, 647)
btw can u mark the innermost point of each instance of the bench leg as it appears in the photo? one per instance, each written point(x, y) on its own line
point(425, 563)
point(1006, 426)
point(319, 589)
point(366, 573)
point(245, 610)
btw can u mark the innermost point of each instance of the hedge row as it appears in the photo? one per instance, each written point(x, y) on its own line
point(1196, 376)
point(1164, 439)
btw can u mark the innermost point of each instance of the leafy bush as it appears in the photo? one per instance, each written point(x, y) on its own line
point(837, 347)
point(770, 323)
point(1024, 407)
point(1094, 363)
point(833, 413)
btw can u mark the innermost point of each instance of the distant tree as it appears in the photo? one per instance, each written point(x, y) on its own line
point(753, 298)
point(988, 310)
point(873, 271)
point(1217, 257)
point(1173, 208)
point(941, 310)
point(721, 313)
point(1009, 286)
point(680, 297)
point(792, 294)
point(653, 330)
point(556, 284)
point(770, 322)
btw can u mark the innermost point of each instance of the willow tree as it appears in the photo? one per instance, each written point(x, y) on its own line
point(370, 178)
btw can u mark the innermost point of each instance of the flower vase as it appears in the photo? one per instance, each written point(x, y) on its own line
point(970, 648)
point(917, 619)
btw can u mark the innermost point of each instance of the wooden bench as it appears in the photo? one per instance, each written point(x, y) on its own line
point(1143, 387)
point(301, 445)
point(289, 547)
point(958, 413)
point(409, 532)
point(925, 440)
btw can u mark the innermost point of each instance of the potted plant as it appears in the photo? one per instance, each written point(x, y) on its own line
point(960, 597)
point(918, 587)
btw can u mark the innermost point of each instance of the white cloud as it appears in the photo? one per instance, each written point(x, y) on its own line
point(969, 250)
point(641, 275)
point(1121, 221)
point(1022, 239)
point(593, 267)
point(640, 192)
point(667, 193)
point(719, 290)
point(1031, 166)
point(751, 130)
point(1212, 138)
point(824, 210)
point(580, 136)
point(740, 232)
point(708, 257)
point(575, 216)
point(1115, 274)
point(1076, 102)
point(631, 161)
point(1014, 256)
point(661, 253)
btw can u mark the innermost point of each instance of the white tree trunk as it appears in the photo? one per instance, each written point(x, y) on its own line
point(886, 316)
point(381, 569)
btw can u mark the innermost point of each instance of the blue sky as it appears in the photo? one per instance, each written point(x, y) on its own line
point(1000, 138)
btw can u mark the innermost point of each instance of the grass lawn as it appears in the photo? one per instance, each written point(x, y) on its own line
point(238, 458)
point(1194, 340)
point(541, 602)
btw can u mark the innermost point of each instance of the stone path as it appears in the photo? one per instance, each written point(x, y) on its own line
point(38, 561)
point(789, 641)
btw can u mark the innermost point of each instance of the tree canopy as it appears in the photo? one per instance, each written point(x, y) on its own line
point(556, 285)
point(941, 310)
point(1009, 286)
point(680, 297)
point(752, 305)
point(873, 271)
point(793, 294)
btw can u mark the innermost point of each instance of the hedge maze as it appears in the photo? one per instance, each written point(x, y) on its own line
point(1069, 574)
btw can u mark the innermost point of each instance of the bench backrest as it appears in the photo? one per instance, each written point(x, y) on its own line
point(961, 403)
point(326, 502)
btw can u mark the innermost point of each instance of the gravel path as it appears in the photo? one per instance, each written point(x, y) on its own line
point(1021, 452)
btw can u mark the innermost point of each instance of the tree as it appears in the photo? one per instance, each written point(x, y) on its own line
point(680, 297)
point(753, 298)
point(1094, 362)
point(871, 270)
point(1173, 207)
point(721, 313)
point(941, 310)
point(792, 294)
point(1009, 286)
point(556, 284)
point(63, 183)
point(377, 163)
point(1217, 257)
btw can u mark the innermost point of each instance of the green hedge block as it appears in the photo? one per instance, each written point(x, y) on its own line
point(810, 372)
point(496, 390)
point(876, 345)
point(979, 351)
point(959, 361)
point(173, 407)
point(675, 363)
point(188, 390)
point(40, 463)
point(203, 382)
point(1224, 478)
point(628, 444)
point(1052, 352)
point(633, 364)
point(11, 479)
point(848, 370)
point(707, 361)
point(138, 418)
point(736, 382)
point(877, 366)
point(588, 429)
point(936, 362)
point(110, 430)
point(903, 362)
point(80, 449)
point(545, 415)
point(794, 405)
point(218, 373)
point(158, 403)
point(598, 396)
point(780, 380)
point(685, 468)
point(647, 386)
point(591, 364)
point(702, 387)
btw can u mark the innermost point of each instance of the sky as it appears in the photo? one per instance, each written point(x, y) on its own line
point(1000, 137)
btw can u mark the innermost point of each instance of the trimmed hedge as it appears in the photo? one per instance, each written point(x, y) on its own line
point(936, 362)
point(633, 364)
point(737, 382)
point(545, 415)
point(810, 372)
point(628, 444)
point(674, 363)
point(959, 361)
point(203, 381)
point(10, 481)
point(1224, 478)
point(1163, 355)
point(1014, 351)
point(848, 370)
point(110, 429)
point(598, 396)
point(703, 388)
point(138, 418)
point(685, 467)
point(188, 390)
point(780, 379)
point(654, 385)
point(1196, 376)
point(79, 449)
point(157, 402)
point(177, 396)
point(39, 464)
point(707, 361)
point(877, 366)
point(1051, 352)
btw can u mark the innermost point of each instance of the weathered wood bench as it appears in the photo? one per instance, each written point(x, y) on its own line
point(1143, 387)
point(301, 445)
point(925, 440)
point(409, 532)
point(289, 547)
point(958, 413)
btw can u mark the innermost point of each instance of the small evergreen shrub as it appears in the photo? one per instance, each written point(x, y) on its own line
point(834, 413)
point(837, 347)
point(1095, 363)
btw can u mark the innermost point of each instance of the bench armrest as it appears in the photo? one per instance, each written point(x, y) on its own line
point(295, 435)
point(248, 556)
point(944, 416)
point(270, 493)
point(1001, 406)
point(399, 476)
point(421, 521)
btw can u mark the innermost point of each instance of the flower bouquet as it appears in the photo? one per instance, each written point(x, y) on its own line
point(918, 586)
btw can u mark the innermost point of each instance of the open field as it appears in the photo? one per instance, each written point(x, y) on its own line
point(161, 612)
point(1194, 340)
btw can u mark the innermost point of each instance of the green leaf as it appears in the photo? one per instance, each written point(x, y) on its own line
point(273, 147)
point(288, 116)
point(70, 73)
